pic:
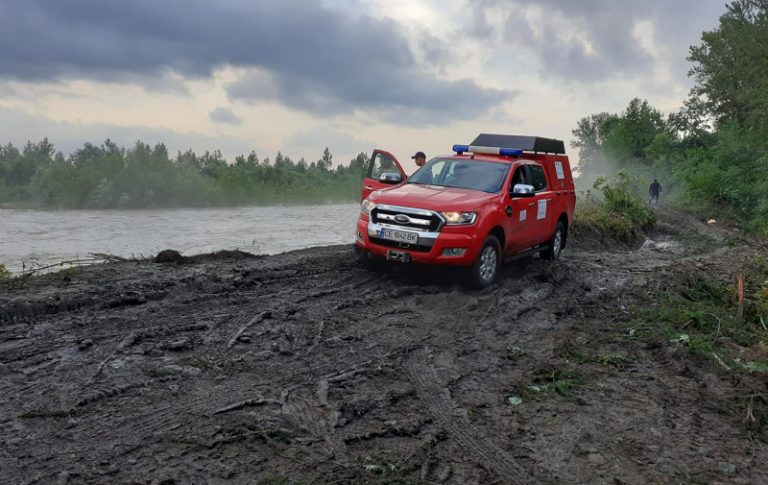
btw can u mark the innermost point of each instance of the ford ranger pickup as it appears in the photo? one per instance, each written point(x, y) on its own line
point(500, 197)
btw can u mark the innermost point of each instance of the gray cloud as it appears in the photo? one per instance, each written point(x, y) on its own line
point(223, 114)
point(310, 57)
point(609, 26)
point(406, 96)
point(20, 127)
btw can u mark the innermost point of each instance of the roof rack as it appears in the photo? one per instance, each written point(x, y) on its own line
point(524, 143)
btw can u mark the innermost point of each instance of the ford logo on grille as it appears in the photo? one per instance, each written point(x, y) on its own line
point(402, 219)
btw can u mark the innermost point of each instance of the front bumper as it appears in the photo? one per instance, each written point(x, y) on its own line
point(429, 249)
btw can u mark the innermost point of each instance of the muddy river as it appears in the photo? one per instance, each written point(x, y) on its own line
point(35, 238)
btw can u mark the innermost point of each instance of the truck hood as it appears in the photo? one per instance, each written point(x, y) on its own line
point(432, 197)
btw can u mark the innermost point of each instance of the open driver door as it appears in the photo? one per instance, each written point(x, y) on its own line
point(382, 163)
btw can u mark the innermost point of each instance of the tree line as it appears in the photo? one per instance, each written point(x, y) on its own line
point(107, 176)
point(712, 155)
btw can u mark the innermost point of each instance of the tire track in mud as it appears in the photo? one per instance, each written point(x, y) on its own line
point(168, 418)
point(86, 396)
point(524, 300)
point(12, 312)
point(448, 414)
point(152, 425)
point(53, 339)
point(97, 408)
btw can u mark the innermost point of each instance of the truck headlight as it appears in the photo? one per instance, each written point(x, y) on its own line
point(459, 218)
point(366, 207)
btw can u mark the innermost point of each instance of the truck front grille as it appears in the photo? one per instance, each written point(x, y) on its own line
point(411, 219)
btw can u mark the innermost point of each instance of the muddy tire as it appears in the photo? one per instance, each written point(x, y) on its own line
point(485, 271)
point(556, 243)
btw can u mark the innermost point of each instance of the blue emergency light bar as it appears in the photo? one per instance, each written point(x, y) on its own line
point(507, 152)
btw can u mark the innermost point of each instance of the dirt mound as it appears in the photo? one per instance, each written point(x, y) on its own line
point(173, 256)
point(169, 256)
point(235, 255)
point(306, 368)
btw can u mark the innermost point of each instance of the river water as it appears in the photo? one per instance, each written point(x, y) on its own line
point(38, 238)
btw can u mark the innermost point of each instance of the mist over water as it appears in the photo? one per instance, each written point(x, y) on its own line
point(46, 237)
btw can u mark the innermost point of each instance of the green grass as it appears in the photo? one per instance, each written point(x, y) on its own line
point(701, 314)
point(698, 315)
point(550, 381)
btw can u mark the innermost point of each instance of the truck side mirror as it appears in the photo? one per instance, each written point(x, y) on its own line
point(392, 178)
point(522, 190)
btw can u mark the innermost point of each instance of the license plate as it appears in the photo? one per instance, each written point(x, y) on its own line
point(399, 236)
point(399, 256)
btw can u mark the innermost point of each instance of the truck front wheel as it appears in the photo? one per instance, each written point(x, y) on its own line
point(487, 266)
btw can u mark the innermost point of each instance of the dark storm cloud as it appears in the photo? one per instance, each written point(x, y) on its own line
point(608, 24)
point(413, 95)
point(309, 57)
point(222, 114)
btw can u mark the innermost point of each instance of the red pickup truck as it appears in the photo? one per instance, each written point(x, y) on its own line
point(500, 197)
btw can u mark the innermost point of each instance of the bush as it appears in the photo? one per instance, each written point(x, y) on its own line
point(4, 273)
point(615, 211)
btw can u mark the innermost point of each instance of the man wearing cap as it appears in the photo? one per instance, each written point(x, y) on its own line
point(420, 159)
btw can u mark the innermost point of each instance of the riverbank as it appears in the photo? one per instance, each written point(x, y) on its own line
point(305, 368)
point(32, 239)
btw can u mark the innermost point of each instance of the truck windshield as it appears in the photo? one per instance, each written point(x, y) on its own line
point(462, 174)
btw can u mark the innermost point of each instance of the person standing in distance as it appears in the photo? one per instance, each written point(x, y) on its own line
point(655, 191)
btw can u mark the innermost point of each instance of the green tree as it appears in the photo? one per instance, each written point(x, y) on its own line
point(714, 151)
point(730, 67)
point(107, 176)
point(590, 135)
point(626, 140)
point(327, 160)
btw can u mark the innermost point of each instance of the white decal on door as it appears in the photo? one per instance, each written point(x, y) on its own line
point(559, 169)
point(523, 215)
point(542, 213)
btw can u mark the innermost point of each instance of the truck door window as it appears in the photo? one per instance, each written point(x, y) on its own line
point(538, 178)
point(382, 164)
point(519, 177)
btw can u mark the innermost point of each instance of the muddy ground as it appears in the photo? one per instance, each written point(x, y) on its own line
point(306, 368)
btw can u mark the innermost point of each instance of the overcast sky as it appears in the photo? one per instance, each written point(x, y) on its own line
point(353, 75)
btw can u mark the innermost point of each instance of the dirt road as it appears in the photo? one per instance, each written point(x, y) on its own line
point(305, 368)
